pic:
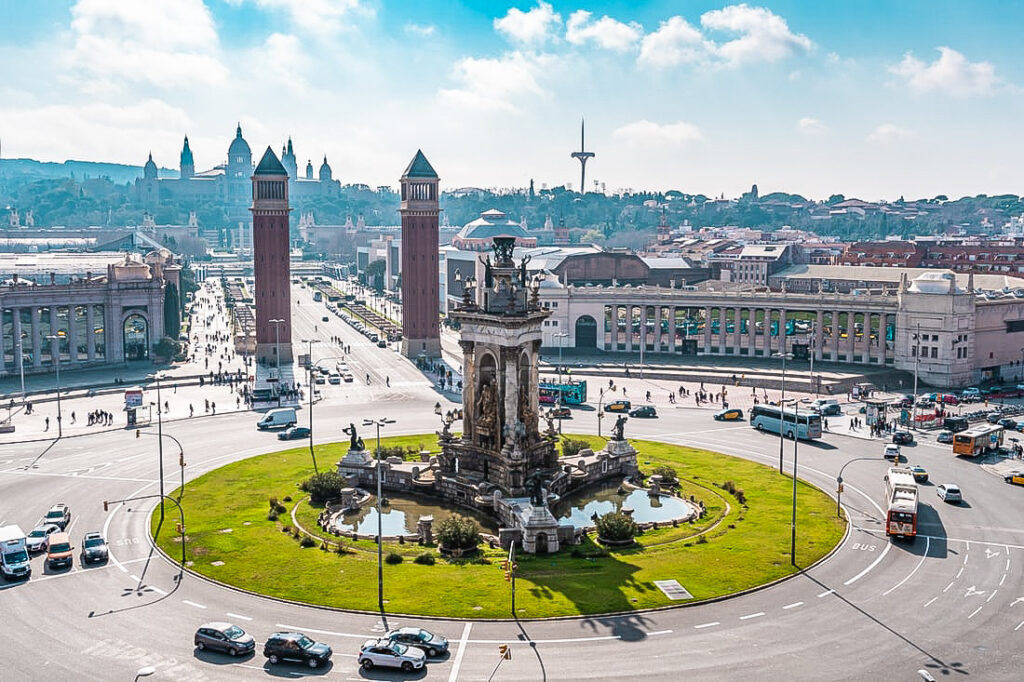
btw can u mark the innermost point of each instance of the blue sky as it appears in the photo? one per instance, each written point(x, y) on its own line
point(871, 99)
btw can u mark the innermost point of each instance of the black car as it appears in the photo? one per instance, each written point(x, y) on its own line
point(561, 413)
point(1008, 423)
point(225, 637)
point(902, 437)
point(296, 647)
point(94, 548)
point(644, 411)
point(430, 643)
point(293, 433)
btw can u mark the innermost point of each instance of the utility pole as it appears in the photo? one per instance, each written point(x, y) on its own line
point(917, 363)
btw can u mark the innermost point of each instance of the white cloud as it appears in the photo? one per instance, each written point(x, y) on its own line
point(421, 30)
point(499, 83)
point(764, 35)
point(810, 125)
point(951, 73)
point(675, 42)
point(166, 43)
point(534, 27)
point(321, 17)
point(650, 133)
point(888, 132)
point(606, 32)
point(282, 60)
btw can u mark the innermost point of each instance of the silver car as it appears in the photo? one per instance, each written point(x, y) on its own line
point(387, 654)
point(38, 538)
point(431, 643)
point(949, 492)
point(224, 637)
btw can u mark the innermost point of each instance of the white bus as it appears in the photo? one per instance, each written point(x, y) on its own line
point(772, 418)
point(901, 502)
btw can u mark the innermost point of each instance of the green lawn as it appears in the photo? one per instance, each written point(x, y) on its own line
point(226, 517)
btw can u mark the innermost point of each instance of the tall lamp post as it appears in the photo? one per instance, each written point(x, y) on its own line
point(312, 389)
point(21, 366)
point(782, 409)
point(561, 336)
point(383, 421)
point(796, 439)
point(917, 364)
point(839, 480)
point(277, 354)
point(56, 364)
point(600, 409)
point(160, 441)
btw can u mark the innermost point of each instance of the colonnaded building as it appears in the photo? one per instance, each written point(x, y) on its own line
point(85, 309)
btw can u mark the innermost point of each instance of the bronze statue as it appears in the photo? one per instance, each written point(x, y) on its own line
point(620, 425)
point(355, 442)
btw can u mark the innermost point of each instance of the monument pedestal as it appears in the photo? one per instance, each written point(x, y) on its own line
point(355, 462)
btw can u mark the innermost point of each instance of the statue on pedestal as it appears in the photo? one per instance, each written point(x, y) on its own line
point(620, 425)
point(355, 442)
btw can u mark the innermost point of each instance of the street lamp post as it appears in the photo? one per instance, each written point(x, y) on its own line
point(56, 364)
point(383, 421)
point(21, 367)
point(796, 439)
point(917, 363)
point(839, 480)
point(561, 336)
point(160, 442)
point(600, 409)
point(277, 354)
point(782, 410)
point(311, 387)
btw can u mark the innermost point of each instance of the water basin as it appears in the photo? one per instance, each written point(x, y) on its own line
point(578, 508)
point(402, 514)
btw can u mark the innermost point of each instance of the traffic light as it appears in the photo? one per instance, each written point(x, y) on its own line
point(514, 567)
point(138, 433)
point(106, 506)
point(181, 461)
point(840, 488)
point(504, 564)
point(506, 653)
point(508, 576)
point(180, 528)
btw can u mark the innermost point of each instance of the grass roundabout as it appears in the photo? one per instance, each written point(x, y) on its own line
point(232, 539)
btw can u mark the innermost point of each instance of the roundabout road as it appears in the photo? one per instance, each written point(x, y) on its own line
point(952, 602)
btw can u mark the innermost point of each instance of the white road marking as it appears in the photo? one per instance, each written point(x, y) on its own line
point(793, 605)
point(659, 632)
point(1019, 626)
point(924, 556)
point(457, 662)
point(1002, 579)
point(975, 612)
point(966, 554)
point(990, 596)
point(192, 603)
point(752, 615)
point(1007, 565)
point(825, 593)
point(706, 625)
point(960, 572)
point(235, 615)
point(930, 602)
point(949, 586)
point(868, 569)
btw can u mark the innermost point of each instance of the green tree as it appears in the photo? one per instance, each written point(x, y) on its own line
point(616, 527)
point(458, 532)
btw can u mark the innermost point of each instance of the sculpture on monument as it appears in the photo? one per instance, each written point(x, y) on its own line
point(355, 442)
point(620, 426)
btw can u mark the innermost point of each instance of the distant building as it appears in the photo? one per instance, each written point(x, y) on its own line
point(960, 254)
point(478, 234)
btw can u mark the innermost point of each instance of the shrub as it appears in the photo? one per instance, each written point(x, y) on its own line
point(616, 527)
point(271, 515)
point(425, 559)
point(393, 558)
point(667, 473)
point(322, 487)
point(307, 541)
point(738, 493)
point(273, 502)
point(458, 532)
point(287, 498)
point(572, 447)
point(701, 540)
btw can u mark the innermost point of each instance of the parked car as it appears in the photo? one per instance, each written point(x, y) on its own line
point(618, 406)
point(730, 415)
point(386, 654)
point(382, 344)
point(59, 514)
point(294, 433)
point(319, 379)
point(38, 538)
point(297, 648)
point(59, 552)
point(993, 417)
point(902, 437)
point(94, 548)
point(1015, 477)
point(334, 378)
point(430, 643)
point(920, 473)
point(892, 452)
point(224, 637)
point(949, 492)
point(944, 437)
point(644, 412)
point(561, 413)
point(1008, 423)
point(904, 401)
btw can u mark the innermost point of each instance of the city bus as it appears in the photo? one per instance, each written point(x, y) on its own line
point(571, 392)
point(978, 441)
point(901, 503)
point(771, 418)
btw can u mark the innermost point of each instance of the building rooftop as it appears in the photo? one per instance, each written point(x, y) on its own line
point(269, 164)
point(419, 167)
point(867, 273)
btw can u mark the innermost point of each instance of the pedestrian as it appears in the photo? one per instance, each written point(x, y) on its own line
point(72, 416)
point(191, 411)
point(47, 424)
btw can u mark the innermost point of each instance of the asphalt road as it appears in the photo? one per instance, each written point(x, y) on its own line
point(952, 602)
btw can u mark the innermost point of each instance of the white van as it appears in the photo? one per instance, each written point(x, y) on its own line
point(281, 418)
point(14, 554)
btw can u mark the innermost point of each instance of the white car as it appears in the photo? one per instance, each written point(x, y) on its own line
point(38, 538)
point(892, 451)
point(334, 378)
point(386, 654)
point(949, 492)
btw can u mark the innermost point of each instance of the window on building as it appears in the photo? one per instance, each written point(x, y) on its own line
point(935, 351)
point(1015, 325)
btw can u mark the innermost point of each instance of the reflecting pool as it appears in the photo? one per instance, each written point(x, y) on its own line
point(578, 508)
point(402, 514)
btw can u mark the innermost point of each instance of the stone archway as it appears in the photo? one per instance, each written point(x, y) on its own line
point(541, 543)
point(586, 332)
point(135, 337)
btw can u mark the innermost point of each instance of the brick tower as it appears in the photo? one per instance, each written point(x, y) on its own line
point(420, 211)
point(271, 267)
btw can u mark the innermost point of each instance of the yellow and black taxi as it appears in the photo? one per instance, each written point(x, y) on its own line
point(618, 406)
point(920, 473)
point(1015, 477)
point(732, 414)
